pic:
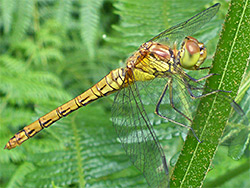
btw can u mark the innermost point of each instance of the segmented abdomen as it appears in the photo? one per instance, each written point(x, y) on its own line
point(112, 82)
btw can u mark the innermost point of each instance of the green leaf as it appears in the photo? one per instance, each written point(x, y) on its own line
point(19, 177)
point(91, 155)
point(22, 22)
point(230, 62)
point(89, 24)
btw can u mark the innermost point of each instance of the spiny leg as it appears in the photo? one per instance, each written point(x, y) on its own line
point(190, 88)
point(171, 120)
point(200, 79)
point(204, 95)
point(203, 68)
point(172, 101)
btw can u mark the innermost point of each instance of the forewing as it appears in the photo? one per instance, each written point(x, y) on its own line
point(179, 32)
point(138, 137)
point(179, 98)
point(151, 91)
point(236, 135)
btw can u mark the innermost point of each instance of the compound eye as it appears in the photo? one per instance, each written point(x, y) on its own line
point(192, 47)
point(190, 53)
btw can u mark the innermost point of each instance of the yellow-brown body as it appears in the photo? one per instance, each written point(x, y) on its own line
point(151, 60)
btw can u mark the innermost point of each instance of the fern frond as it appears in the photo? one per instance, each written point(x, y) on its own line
point(21, 90)
point(24, 12)
point(90, 17)
point(90, 156)
point(63, 12)
point(14, 119)
point(12, 64)
point(6, 171)
point(18, 178)
point(141, 20)
point(7, 8)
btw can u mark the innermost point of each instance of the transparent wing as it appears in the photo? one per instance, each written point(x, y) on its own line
point(152, 90)
point(177, 103)
point(179, 32)
point(237, 132)
point(138, 137)
point(178, 100)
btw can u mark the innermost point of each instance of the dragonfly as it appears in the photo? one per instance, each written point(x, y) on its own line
point(161, 61)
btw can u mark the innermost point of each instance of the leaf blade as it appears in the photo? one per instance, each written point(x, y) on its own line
point(213, 112)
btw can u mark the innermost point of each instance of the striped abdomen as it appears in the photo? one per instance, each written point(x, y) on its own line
point(112, 82)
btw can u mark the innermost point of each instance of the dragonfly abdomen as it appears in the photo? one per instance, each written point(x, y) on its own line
point(112, 82)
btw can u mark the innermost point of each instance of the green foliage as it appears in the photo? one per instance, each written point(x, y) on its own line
point(53, 50)
point(213, 111)
point(90, 20)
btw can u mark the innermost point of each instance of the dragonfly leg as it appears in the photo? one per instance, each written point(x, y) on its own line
point(169, 119)
point(204, 95)
point(203, 68)
point(200, 79)
point(234, 104)
point(172, 101)
point(190, 87)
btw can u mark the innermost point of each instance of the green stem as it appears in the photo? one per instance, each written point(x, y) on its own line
point(230, 62)
point(78, 153)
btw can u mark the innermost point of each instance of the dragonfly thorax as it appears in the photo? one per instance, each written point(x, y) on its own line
point(155, 59)
point(161, 51)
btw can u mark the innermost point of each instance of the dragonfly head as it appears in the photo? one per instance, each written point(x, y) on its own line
point(192, 53)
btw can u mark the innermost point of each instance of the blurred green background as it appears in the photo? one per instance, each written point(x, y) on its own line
point(52, 51)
